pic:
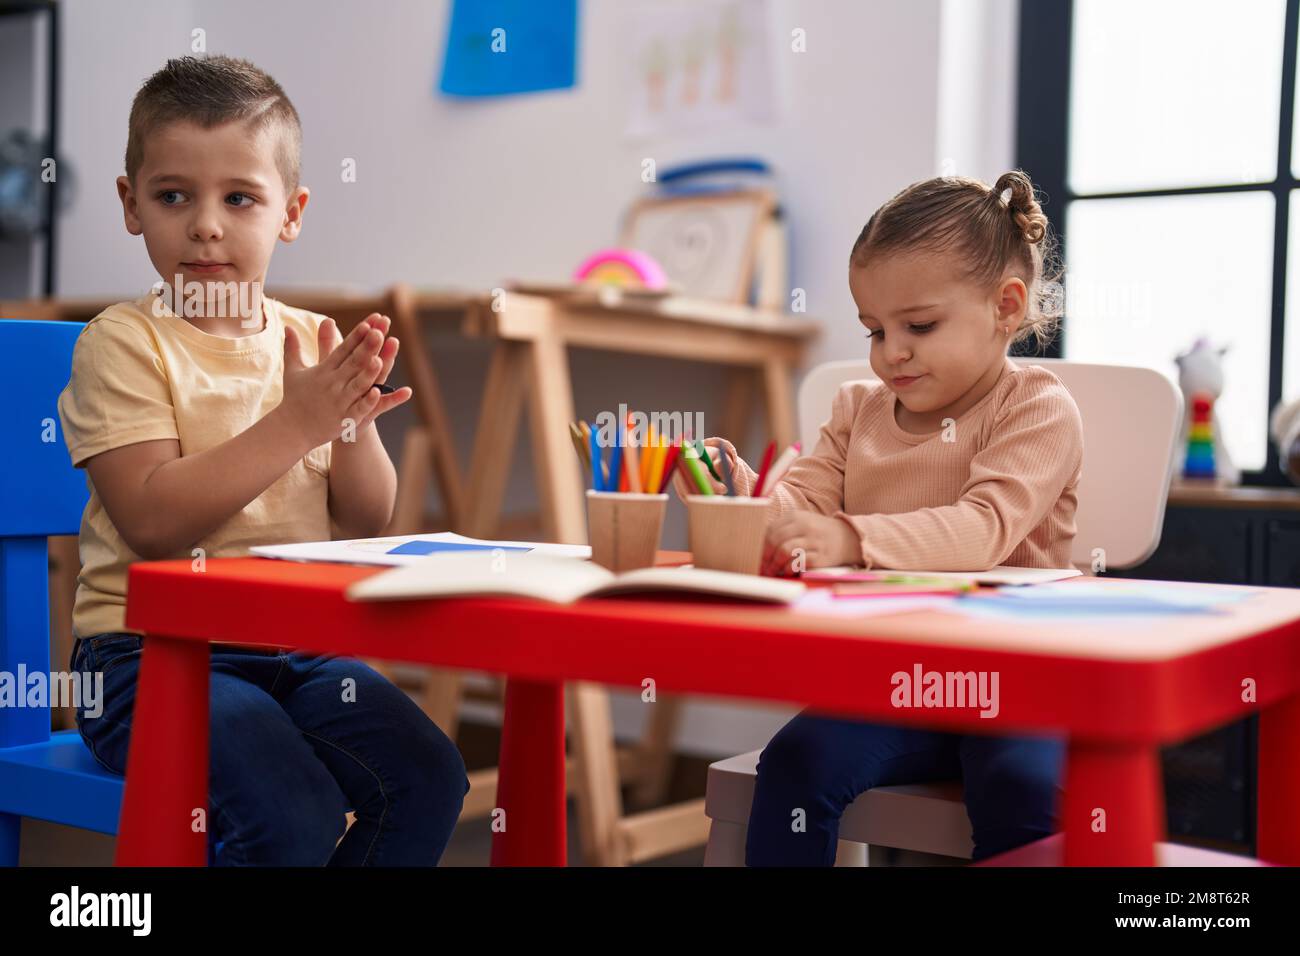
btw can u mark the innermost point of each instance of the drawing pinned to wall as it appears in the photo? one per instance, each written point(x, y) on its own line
point(499, 47)
point(697, 64)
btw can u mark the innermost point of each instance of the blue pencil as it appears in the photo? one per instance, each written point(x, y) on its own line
point(616, 461)
point(597, 466)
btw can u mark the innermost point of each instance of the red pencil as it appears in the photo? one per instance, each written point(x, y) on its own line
point(670, 462)
point(762, 472)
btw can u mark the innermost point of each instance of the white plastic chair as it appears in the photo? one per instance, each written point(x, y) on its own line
point(1131, 429)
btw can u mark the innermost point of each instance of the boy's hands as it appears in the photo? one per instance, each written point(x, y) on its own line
point(826, 542)
point(318, 399)
point(387, 355)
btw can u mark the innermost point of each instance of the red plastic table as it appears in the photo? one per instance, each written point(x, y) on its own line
point(1119, 689)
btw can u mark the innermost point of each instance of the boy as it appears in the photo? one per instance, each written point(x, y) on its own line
point(210, 418)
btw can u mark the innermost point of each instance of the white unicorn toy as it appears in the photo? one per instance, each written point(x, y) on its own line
point(1200, 372)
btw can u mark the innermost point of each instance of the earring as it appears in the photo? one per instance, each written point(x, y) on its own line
point(1006, 330)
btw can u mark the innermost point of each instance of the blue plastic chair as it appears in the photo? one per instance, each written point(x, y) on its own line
point(44, 775)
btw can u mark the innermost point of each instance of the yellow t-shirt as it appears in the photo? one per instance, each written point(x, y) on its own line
point(139, 376)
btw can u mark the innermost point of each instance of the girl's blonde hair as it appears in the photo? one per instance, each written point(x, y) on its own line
point(989, 228)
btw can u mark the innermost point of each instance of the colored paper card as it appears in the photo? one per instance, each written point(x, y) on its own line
point(499, 47)
point(438, 547)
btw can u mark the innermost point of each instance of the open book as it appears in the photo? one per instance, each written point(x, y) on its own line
point(561, 580)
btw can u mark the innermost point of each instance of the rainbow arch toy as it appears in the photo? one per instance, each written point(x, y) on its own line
point(624, 268)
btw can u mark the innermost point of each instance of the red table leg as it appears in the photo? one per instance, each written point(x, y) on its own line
point(167, 764)
point(1113, 811)
point(1278, 801)
point(530, 778)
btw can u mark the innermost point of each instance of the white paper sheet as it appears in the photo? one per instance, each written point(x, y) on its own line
point(376, 550)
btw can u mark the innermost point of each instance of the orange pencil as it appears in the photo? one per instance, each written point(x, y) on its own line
point(657, 456)
point(648, 459)
point(631, 461)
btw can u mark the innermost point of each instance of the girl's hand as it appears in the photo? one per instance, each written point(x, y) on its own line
point(331, 339)
point(817, 541)
point(684, 487)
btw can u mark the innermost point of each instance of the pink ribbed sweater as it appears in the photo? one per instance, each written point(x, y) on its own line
point(1000, 490)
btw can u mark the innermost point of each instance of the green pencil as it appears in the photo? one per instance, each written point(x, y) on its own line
point(706, 458)
point(691, 462)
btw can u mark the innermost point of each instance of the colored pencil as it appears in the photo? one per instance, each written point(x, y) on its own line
point(670, 462)
point(781, 466)
point(762, 472)
point(616, 463)
point(690, 457)
point(579, 442)
point(632, 460)
point(597, 466)
point(647, 459)
point(656, 456)
point(707, 459)
point(604, 465)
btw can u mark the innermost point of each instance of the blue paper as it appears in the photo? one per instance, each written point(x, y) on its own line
point(997, 607)
point(498, 47)
point(1071, 600)
point(437, 547)
point(1125, 594)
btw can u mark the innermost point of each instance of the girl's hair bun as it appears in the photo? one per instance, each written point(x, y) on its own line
point(989, 231)
point(1022, 204)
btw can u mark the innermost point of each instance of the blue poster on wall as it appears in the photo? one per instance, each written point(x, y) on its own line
point(498, 47)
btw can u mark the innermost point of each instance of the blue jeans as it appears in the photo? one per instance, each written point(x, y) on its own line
point(821, 764)
point(296, 741)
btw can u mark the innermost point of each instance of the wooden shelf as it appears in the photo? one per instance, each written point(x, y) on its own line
point(1218, 496)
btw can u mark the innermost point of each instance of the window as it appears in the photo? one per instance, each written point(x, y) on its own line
point(1162, 134)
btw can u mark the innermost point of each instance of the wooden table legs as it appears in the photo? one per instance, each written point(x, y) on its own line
point(535, 374)
point(529, 824)
point(434, 439)
point(559, 476)
point(164, 818)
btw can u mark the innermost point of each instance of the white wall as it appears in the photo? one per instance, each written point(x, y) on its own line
point(454, 193)
point(468, 194)
point(977, 87)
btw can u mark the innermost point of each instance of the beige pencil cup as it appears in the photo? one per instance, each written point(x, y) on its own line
point(624, 528)
point(726, 532)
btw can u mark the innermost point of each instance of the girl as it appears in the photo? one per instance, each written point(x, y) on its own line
point(956, 459)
